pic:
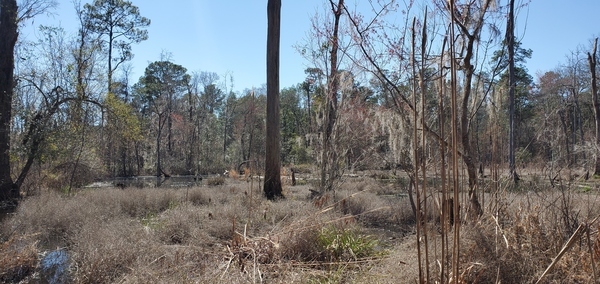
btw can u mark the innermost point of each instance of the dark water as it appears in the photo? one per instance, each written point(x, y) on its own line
point(151, 181)
point(54, 267)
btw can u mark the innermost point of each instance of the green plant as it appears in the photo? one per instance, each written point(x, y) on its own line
point(172, 204)
point(150, 220)
point(345, 244)
point(585, 188)
point(523, 156)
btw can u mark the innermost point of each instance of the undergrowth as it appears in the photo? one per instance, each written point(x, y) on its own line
point(362, 232)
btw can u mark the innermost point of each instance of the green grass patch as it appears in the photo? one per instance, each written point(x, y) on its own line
point(346, 245)
point(151, 220)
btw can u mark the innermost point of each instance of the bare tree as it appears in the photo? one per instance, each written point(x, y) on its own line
point(272, 186)
point(30, 8)
point(592, 61)
point(329, 165)
point(470, 24)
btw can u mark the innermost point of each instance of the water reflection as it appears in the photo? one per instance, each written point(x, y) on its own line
point(55, 267)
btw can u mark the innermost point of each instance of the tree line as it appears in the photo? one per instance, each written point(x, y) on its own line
point(379, 96)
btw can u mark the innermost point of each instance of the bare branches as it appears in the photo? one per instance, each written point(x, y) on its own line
point(592, 60)
point(29, 9)
point(401, 100)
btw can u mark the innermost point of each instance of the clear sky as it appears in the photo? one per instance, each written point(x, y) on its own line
point(221, 36)
point(230, 35)
point(555, 28)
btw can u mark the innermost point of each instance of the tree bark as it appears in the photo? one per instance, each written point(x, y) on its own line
point(110, 48)
point(465, 137)
point(159, 170)
point(272, 185)
point(468, 69)
point(8, 39)
point(510, 41)
point(328, 156)
point(592, 60)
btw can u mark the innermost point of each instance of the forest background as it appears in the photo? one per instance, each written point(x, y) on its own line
point(80, 114)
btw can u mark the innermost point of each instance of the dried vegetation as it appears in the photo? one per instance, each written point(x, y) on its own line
point(363, 232)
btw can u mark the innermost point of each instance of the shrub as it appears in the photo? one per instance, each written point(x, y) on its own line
point(327, 241)
point(104, 251)
point(18, 259)
point(345, 244)
point(175, 232)
point(141, 203)
point(70, 174)
point(300, 245)
point(233, 173)
point(198, 197)
point(215, 181)
point(53, 217)
point(303, 168)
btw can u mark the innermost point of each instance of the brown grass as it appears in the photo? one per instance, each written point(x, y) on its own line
point(518, 243)
point(214, 181)
point(198, 197)
point(18, 258)
point(231, 234)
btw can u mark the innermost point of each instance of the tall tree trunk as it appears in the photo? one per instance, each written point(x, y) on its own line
point(465, 137)
point(329, 156)
point(469, 70)
point(225, 124)
point(159, 170)
point(272, 186)
point(510, 41)
point(308, 112)
point(110, 71)
point(8, 39)
point(565, 129)
point(169, 125)
point(592, 60)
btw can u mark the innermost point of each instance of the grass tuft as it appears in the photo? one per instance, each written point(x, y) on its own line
point(215, 181)
point(345, 244)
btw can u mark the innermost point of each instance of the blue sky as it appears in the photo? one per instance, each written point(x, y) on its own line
point(230, 36)
point(212, 35)
point(555, 28)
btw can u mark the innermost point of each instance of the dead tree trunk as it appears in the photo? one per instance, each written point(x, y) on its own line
point(470, 28)
point(272, 185)
point(592, 60)
point(510, 41)
point(329, 156)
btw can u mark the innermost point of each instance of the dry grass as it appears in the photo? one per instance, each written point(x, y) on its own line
point(364, 232)
point(198, 197)
point(18, 258)
point(517, 244)
point(215, 181)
